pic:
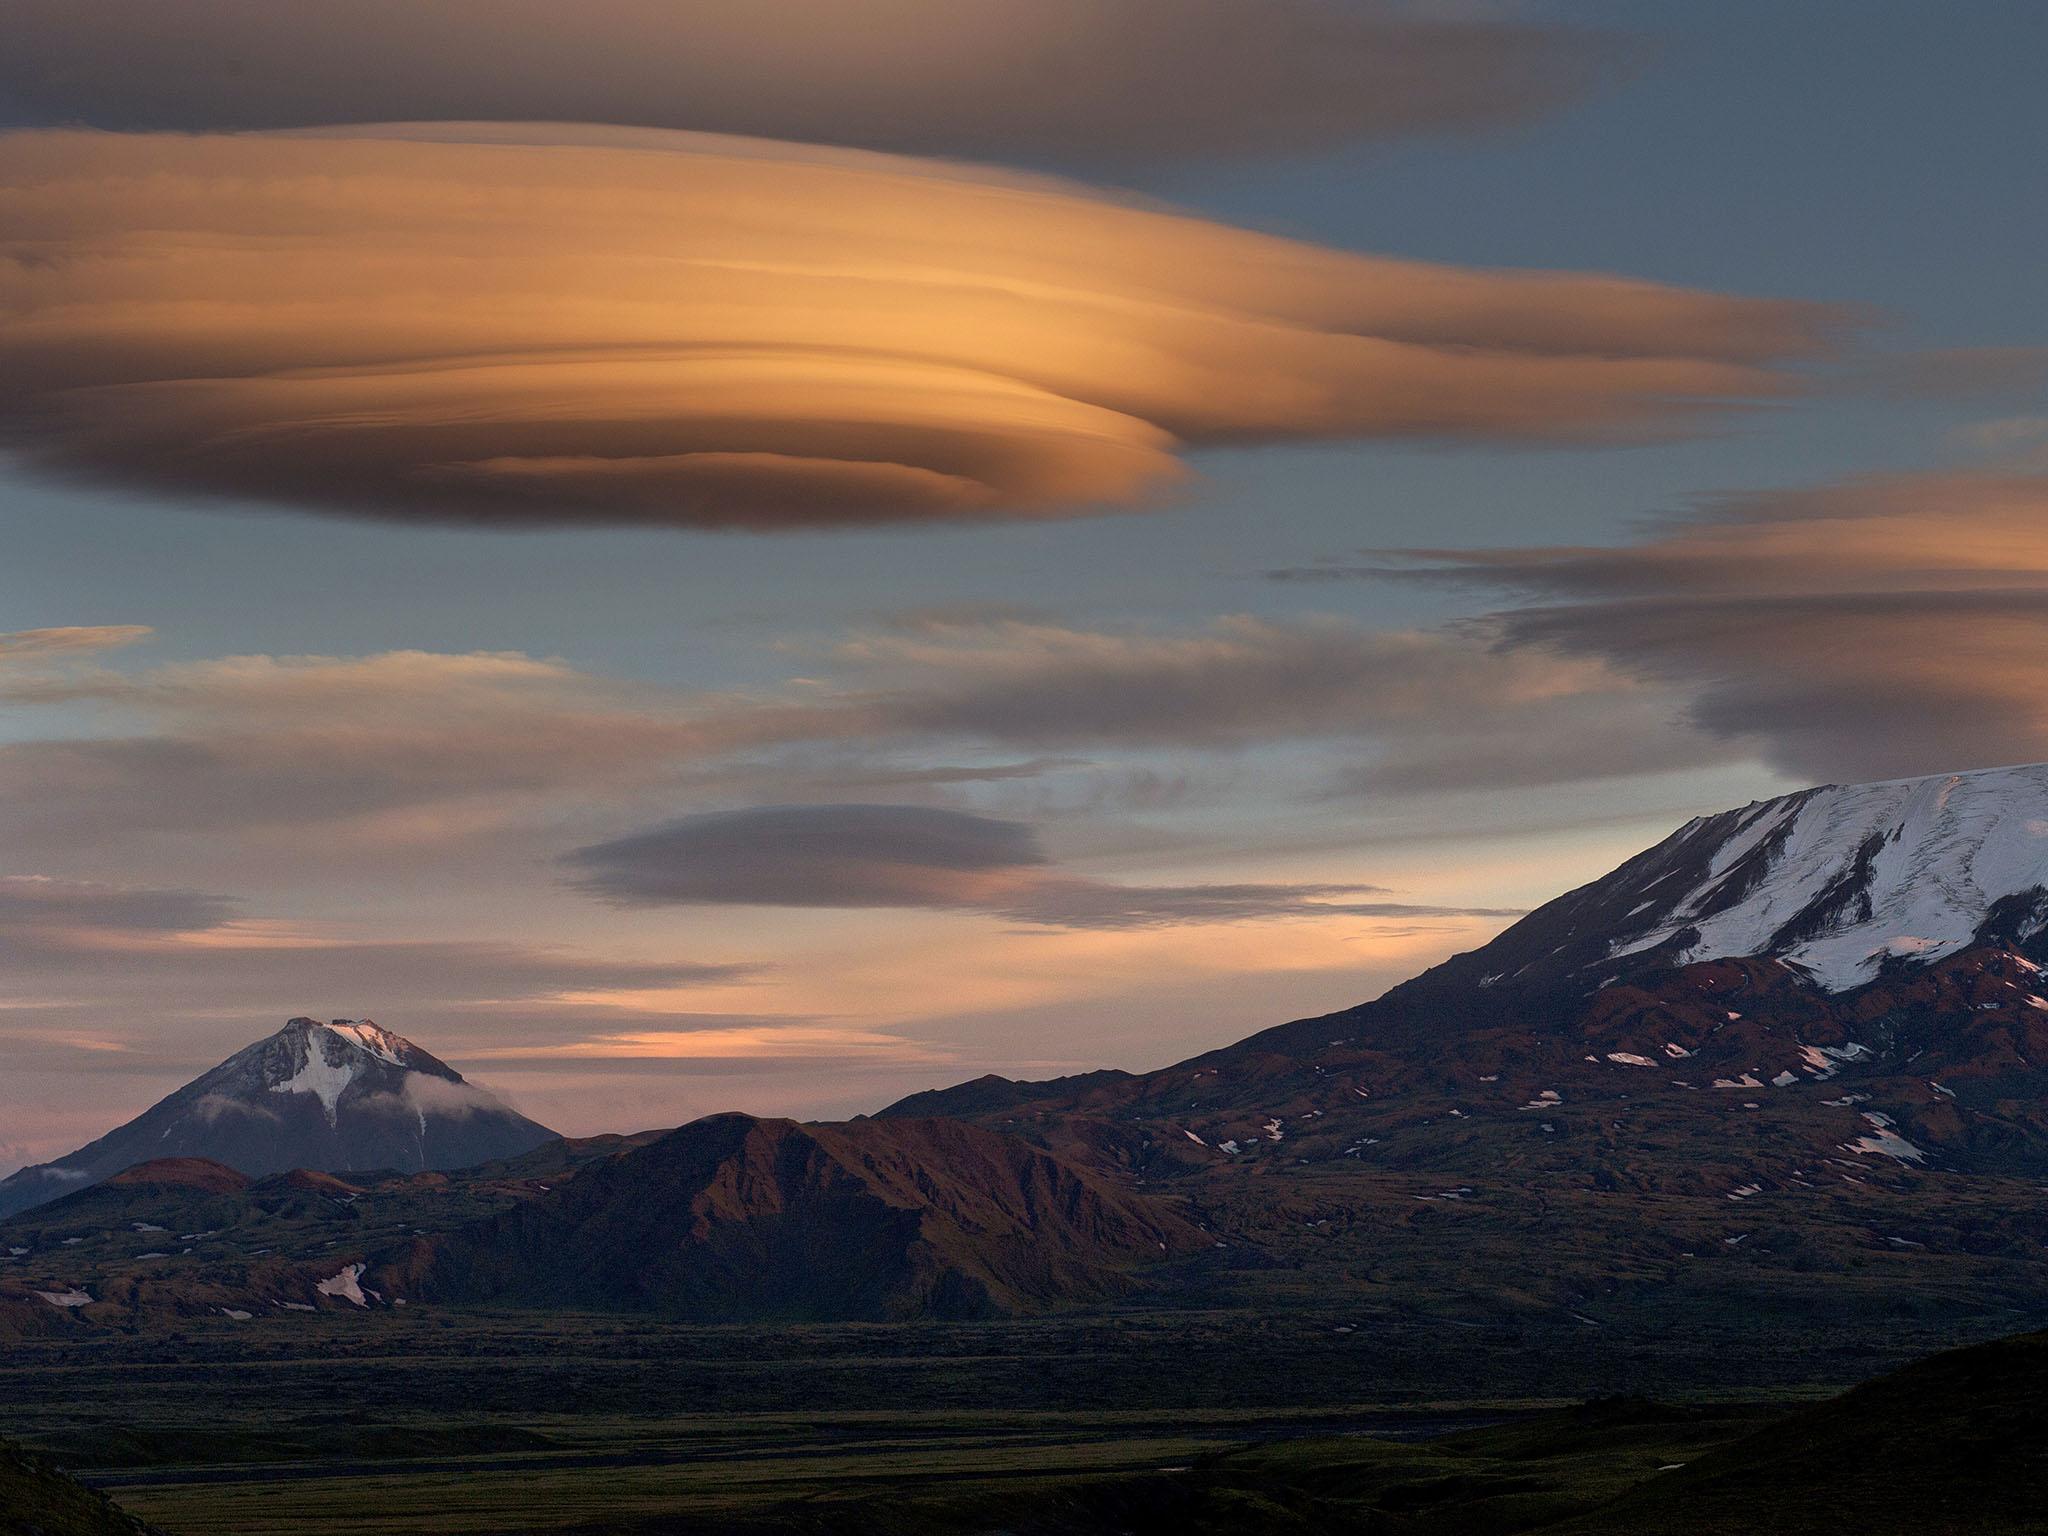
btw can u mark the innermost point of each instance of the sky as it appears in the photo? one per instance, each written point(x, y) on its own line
point(742, 557)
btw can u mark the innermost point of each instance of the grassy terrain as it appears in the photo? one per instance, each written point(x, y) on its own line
point(423, 1421)
point(38, 1500)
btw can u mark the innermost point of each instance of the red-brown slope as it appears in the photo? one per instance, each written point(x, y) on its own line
point(736, 1218)
point(195, 1173)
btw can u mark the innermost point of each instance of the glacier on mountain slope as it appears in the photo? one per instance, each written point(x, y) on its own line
point(1952, 847)
point(319, 1075)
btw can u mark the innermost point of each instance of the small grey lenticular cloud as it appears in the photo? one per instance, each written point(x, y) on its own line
point(812, 856)
point(916, 856)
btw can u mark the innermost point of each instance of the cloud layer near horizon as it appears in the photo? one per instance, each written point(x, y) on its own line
point(414, 758)
point(852, 855)
point(1089, 81)
point(516, 326)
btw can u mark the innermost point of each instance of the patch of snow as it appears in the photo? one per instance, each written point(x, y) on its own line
point(380, 1043)
point(1675, 1051)
point(322, 1078)
point(144, 1226)
point(1630, 1059)
point(1825, 1061)
point(1549, 1098)
point(1747, 1080)
point(67, 1299)
point(298, 1306)
point(1191, 1136)
point(1884, 1141)
point(347, 1285)
point(1273, 1131)
point(1229, 1146)
point(1784, 1079)
point(237, 1314)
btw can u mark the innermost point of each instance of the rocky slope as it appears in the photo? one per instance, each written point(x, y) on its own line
point(340, 1096)
point(736, 1218)
point(1809, 1035)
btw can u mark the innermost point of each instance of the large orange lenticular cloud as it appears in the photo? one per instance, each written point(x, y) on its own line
point(530, 325)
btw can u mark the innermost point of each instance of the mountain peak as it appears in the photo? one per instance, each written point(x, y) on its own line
point(331, 1095)
point(1840, 883)
point(325, 1059)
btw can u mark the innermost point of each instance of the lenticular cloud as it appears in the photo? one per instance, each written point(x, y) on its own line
point(519, 326)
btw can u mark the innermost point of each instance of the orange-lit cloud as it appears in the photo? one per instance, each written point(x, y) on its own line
point(767, 1040)
point(518, 326)
point(1888, 626)
point(24, 646)
point(1075, 80)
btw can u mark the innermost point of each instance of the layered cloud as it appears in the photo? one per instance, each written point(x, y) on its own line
point(133, 943)
point(414, 759)
point(1880, 627)
point(402, 749)
point(912, 856)
point(56, 910)
point(26, 646)
point(1115, 81)
point(1240, 681)
point(525, 326)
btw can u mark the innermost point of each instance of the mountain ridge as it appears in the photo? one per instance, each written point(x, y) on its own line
point(734, 1217)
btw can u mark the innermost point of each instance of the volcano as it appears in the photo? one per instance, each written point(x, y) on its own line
point(334, 1096)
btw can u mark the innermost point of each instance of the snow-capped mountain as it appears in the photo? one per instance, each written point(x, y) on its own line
point(1842, 883)
point(1848, 975)
point(334, 1096)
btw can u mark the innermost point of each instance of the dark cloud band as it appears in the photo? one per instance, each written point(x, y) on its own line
point(914, 856)
point(1075, 81)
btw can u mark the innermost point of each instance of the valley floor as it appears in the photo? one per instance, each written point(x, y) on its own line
point(423, 1422)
